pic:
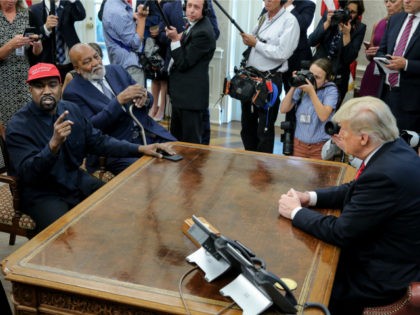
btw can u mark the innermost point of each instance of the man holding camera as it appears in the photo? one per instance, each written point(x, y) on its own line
point(271, 43)
point(103, 94)
point(377, 229)
point(338, 37)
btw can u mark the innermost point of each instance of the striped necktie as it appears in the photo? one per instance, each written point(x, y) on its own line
point(399, 50)
point(59, 40)
point(108, 93)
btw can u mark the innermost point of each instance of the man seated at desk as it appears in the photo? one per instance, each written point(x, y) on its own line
point(47, 140)
point(102, 94)
point(377, 230)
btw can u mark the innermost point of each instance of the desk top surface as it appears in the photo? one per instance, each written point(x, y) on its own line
point(125, 241)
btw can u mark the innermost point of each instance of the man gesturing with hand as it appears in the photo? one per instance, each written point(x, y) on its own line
point(47, 141)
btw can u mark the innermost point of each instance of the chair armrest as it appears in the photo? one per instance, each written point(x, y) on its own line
point(415, 294)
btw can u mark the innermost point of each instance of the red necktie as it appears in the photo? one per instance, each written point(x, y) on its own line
point(360, 170)
point(393, 77)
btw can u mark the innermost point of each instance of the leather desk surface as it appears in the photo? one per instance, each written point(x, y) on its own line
point(124, 246)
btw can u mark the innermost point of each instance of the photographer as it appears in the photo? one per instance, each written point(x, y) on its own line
point(314, 101)
point(272, 43)
point(338, 37)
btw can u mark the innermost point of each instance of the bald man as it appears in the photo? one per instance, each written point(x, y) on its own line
point(104, 94)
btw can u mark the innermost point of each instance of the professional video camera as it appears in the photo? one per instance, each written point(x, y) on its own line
point(332, 128)
point(300, 78)
point(151, 61)
point(411, 137)
point(340, 16)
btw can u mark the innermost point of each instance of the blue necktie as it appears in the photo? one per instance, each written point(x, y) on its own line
point(108, 93)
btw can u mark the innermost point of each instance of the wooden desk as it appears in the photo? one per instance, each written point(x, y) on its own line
point(122, 251)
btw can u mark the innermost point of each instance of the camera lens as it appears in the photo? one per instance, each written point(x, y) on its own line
point(332, 128)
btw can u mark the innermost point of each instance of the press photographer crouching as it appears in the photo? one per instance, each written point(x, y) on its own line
point(314, 98)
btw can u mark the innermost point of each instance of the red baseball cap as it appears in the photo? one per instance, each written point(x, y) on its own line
point(43, 70)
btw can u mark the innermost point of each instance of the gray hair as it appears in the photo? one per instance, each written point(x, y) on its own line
point(371, 116)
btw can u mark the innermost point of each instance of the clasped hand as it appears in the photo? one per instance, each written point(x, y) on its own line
point(291, 200)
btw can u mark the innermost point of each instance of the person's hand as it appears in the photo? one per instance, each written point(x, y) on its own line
point(133, 93)
point(18, 41)
point(62, 129)
point(155, 149)
point(249, 40)
point(308, 87)
point(154, 30)
point(327, 22)
point(396, 63)
point(51, 22)
point(290, 201)
point(36, 44)
point(338, 141)
point(172, 34)
point(345, 28)
point(142, 12)
point(371, 51)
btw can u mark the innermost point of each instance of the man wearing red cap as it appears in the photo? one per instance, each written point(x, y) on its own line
point(47, 141)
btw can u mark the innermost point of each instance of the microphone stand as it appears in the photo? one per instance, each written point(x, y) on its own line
point(165, 19)
point(53, 39)
point(228, 16)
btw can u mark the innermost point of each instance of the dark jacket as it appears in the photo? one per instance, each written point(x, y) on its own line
point(189, 74)
point(409, 79)
point(71, 13)
point(377, 230)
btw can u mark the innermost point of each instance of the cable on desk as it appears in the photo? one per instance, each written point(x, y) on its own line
point(184, 303)
point(181, 295)
point(317, 305)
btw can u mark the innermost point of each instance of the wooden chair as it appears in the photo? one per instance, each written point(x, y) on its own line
point(409, 304)
point(12, 220)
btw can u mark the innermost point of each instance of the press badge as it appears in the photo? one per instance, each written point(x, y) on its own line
point(305, 119)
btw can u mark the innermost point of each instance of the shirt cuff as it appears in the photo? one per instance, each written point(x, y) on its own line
point(313, 198)
point(175, 45)
point(406, 65)
point(72, 1)
point(47, 32)
point(295, 211)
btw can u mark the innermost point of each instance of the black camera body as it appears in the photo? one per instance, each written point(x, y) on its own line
point(288, 127)
point(411, 137)
point(332, 128)
point(300, 78)
point(340, 16)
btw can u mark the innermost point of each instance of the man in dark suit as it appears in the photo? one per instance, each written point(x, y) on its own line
point(174, 11)
point(377, 230)
point(109, 113)
point(402, 91)
point(191, 52)
point(61, 23)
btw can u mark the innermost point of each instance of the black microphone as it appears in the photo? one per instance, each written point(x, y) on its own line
point(52, 7)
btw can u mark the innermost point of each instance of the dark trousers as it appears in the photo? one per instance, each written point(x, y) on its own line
point(47, 209)
point(205, 139)
point(405, 120)
point(4, 303)
point(187, 125)
point(258, 124)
